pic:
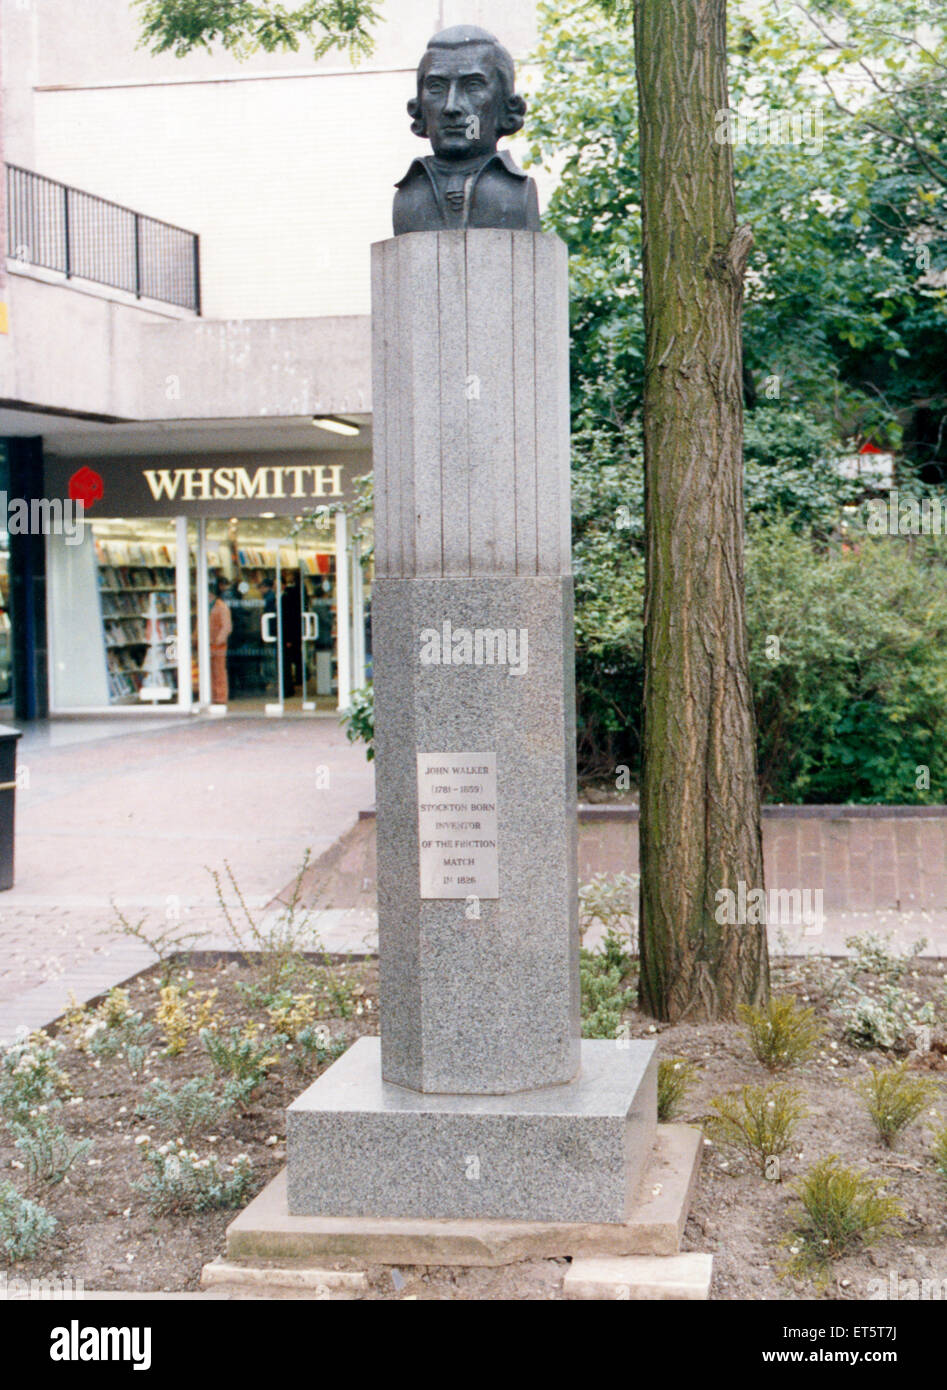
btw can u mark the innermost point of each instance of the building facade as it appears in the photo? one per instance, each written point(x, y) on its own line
point(185, 349)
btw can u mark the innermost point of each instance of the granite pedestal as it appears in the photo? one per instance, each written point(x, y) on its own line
point(480, 1101)
point(363, 1147)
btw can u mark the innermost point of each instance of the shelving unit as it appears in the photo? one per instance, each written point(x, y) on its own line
point(136, 595)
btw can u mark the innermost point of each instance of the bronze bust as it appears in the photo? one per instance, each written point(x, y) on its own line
point(466, 101)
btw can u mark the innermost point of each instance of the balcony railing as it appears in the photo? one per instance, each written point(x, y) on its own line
point(79, 234)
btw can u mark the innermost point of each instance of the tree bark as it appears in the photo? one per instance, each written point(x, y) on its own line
point(700, 812)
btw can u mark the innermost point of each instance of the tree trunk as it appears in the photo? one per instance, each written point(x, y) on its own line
point(700, 813)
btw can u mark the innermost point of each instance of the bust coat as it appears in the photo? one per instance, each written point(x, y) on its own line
point(495, 194)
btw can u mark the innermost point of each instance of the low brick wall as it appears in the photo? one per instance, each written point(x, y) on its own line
point(864, 858)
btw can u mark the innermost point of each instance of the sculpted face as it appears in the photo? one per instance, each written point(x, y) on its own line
point(461, 98)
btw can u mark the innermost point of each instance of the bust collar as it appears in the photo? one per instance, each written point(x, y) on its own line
point(426, 162)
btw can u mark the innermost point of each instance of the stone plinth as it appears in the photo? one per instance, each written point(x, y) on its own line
point(362, 1147)
point(480, 1101)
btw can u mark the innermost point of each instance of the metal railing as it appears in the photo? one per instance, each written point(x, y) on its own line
point(79, 234)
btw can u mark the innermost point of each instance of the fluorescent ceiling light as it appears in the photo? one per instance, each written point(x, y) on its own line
point(327, 422)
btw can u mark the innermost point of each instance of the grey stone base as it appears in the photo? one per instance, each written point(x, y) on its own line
point(266, 1233)
point(360, 1146)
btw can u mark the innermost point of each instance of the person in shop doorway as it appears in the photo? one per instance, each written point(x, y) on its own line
point(221, 626)
point(291, 617)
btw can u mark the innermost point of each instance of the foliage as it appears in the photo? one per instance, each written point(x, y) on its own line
point(359, 719)
point(192, 1106)
point(24, 1225)
point(758, 1121)
point(177, 1179)
point(869, 996)
point(894, 1097)
point(313, 1043)
point(939, 1150)
point(243, 26)
point(604, 994)
point(246, 1054)
point(128, 1039)
point(182, 1013)
point(48, 1151)
point(781, 1033)
point(612, 901)
point(676, 1076)
point(839, 1209)
point(30, 1076)
point(854, 702)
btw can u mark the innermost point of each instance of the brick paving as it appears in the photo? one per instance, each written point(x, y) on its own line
point(135, 812)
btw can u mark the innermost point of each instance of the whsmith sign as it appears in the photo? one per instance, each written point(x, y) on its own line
point(210, 485)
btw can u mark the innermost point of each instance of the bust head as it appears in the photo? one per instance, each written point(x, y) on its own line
point(466, 98)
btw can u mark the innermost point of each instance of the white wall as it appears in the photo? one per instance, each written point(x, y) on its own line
point(287, 176)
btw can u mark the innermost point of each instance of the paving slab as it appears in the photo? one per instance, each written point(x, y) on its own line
point(266, 1230)
point(641, 1277)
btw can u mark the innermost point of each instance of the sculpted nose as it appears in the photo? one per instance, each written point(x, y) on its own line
point(452, 105)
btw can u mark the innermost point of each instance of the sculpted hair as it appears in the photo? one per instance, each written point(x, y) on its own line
point(513, 108)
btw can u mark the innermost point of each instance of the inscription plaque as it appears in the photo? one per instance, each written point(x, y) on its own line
point(457, 825)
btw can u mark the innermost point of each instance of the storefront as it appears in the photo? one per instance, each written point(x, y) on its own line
point(222, 582)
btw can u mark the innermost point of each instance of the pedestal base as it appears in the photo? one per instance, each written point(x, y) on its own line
point(358, 1146)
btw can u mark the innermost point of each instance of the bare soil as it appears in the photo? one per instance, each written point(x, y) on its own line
point(107, 1236)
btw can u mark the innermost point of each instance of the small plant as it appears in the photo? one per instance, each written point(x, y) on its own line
point(172, 1019)
point(30, 1076)
point(758, 1121)
point(128, 1040)
point(48, 1152)
point(314, 1044)
point(604, 994)
point(781, 1034)
point(894, 1097)
point(877, 1012)
point(243, 1053)
point(291, 1013)
point(839, 1209)
point(676, 1076)
point(24, 1225)
point(191, 1107)
point(612, 900)
point(179, 1179)
point(939, 1149)
point(359, 719)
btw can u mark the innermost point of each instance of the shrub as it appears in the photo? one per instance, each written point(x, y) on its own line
point(48, 1151)
point(192, 1106)
point(757, 1121)
point(877, 1012)
point(359, 719)
point(838, 1209)
point(128, 1040)
point(604, 995)
point(781, 1034)
point(894, 1097)
point(315, 1044)
point(676, 1076)
point(857, 698)
point(30, 1076)
point(612, 900)
point(178, 1180)
point(244, 1053)
point(24, 1225)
